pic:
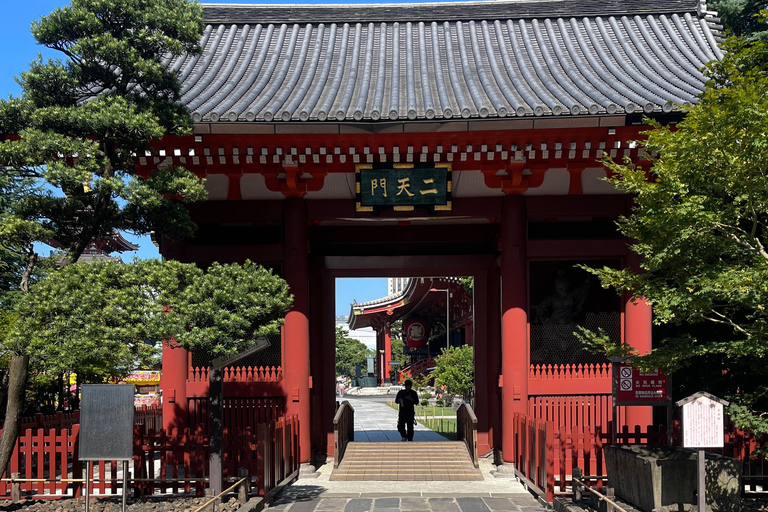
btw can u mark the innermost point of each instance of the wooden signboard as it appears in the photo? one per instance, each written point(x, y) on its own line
point(403, 187)
point(703, 425)
point(703, 421)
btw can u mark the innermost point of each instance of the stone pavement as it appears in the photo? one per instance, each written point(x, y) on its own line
point(518, 503)
point(376, 421)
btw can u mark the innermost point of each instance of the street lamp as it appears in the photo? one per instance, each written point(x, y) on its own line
point(447, 314)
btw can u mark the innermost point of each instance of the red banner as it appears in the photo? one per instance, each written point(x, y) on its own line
point(416, 332)
point(639, 386)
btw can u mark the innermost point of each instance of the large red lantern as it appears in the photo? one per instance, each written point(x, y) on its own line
point(416, 332)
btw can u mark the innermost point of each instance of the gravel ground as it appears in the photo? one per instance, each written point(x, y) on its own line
point(116, 505)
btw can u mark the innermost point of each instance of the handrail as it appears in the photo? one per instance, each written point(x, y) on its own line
point(466, 430)
point(343, 430)
point(579, 486)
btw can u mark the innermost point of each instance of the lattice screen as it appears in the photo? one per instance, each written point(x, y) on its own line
point(556, 344)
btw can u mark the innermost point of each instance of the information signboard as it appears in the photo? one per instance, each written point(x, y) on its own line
point(636, 387)
point(106, 422)
point(703, 421)
point(403, 187)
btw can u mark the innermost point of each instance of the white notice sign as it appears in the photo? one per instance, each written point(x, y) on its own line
point(703, 423)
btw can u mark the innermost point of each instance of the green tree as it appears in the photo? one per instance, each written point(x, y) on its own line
point(80, 123)
point(100, 319)
point(742, 18)
point(700, 225)
point(349, 352)
point(455, 369)
point(397, 343)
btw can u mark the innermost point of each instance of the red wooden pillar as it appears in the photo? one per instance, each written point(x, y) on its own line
point(638, 318)
point(296, 380)
point(381, 353)
point(487, 349)
point(329, 357)
point(387, 352)
point(514, 319)
point(318, 406)
point(173, 384)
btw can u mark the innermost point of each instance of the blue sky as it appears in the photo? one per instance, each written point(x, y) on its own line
point(20, 48)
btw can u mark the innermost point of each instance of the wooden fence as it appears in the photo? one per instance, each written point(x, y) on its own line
point(57, 420)
point(343, 430)
point(534, 454)
point(270, 453)
point(546, 453)
point(239, 374)
point(150, 417)
point(238, 413)
point(165, 462)
point(278, 453)
point(466, 430)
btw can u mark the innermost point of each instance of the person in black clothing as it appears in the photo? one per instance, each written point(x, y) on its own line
point(407, 400)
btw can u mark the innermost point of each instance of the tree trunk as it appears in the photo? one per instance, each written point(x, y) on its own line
point(17, 378)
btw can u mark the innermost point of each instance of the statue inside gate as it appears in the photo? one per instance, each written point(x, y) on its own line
point(557, 314)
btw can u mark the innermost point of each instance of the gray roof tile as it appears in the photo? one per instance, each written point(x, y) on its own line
point(443, 61)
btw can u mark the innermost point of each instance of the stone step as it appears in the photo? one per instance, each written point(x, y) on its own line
point(398, 461)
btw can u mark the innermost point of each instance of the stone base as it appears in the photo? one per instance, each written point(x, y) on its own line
point(505, 470)
point(307, 470)
point(663, 478)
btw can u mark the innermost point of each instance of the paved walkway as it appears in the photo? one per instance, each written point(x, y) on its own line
point(375, 421)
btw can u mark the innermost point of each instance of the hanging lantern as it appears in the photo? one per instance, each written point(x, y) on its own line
point(416, 332)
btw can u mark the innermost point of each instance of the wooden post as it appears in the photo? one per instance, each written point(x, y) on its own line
point(126, 479)
point(15, 488)
point(242, 489)
point(576, 486)
point(702, 472)
point(216, 428)
point(88, 475)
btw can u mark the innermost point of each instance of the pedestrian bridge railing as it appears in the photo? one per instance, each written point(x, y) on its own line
point(343, 430)
point(466, 430)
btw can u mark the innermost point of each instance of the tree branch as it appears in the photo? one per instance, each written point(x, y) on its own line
point(726, 230)
point(724, 320)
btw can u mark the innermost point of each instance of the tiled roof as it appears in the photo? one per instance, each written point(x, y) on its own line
point(447, 61)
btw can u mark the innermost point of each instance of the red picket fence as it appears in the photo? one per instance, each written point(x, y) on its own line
point(150, 417)
point(176, 462)
point(594, 409)
point(50, 457)
point(742, 446)
point(45, 421)
point(545, 454)
point(278, 452)
point(240, 374)
point(238, 413)
point(534, 455)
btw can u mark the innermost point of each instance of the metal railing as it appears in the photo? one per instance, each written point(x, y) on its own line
point(343, 431)
point(466, 430)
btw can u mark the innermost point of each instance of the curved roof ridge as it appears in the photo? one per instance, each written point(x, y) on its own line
point(465, 10)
